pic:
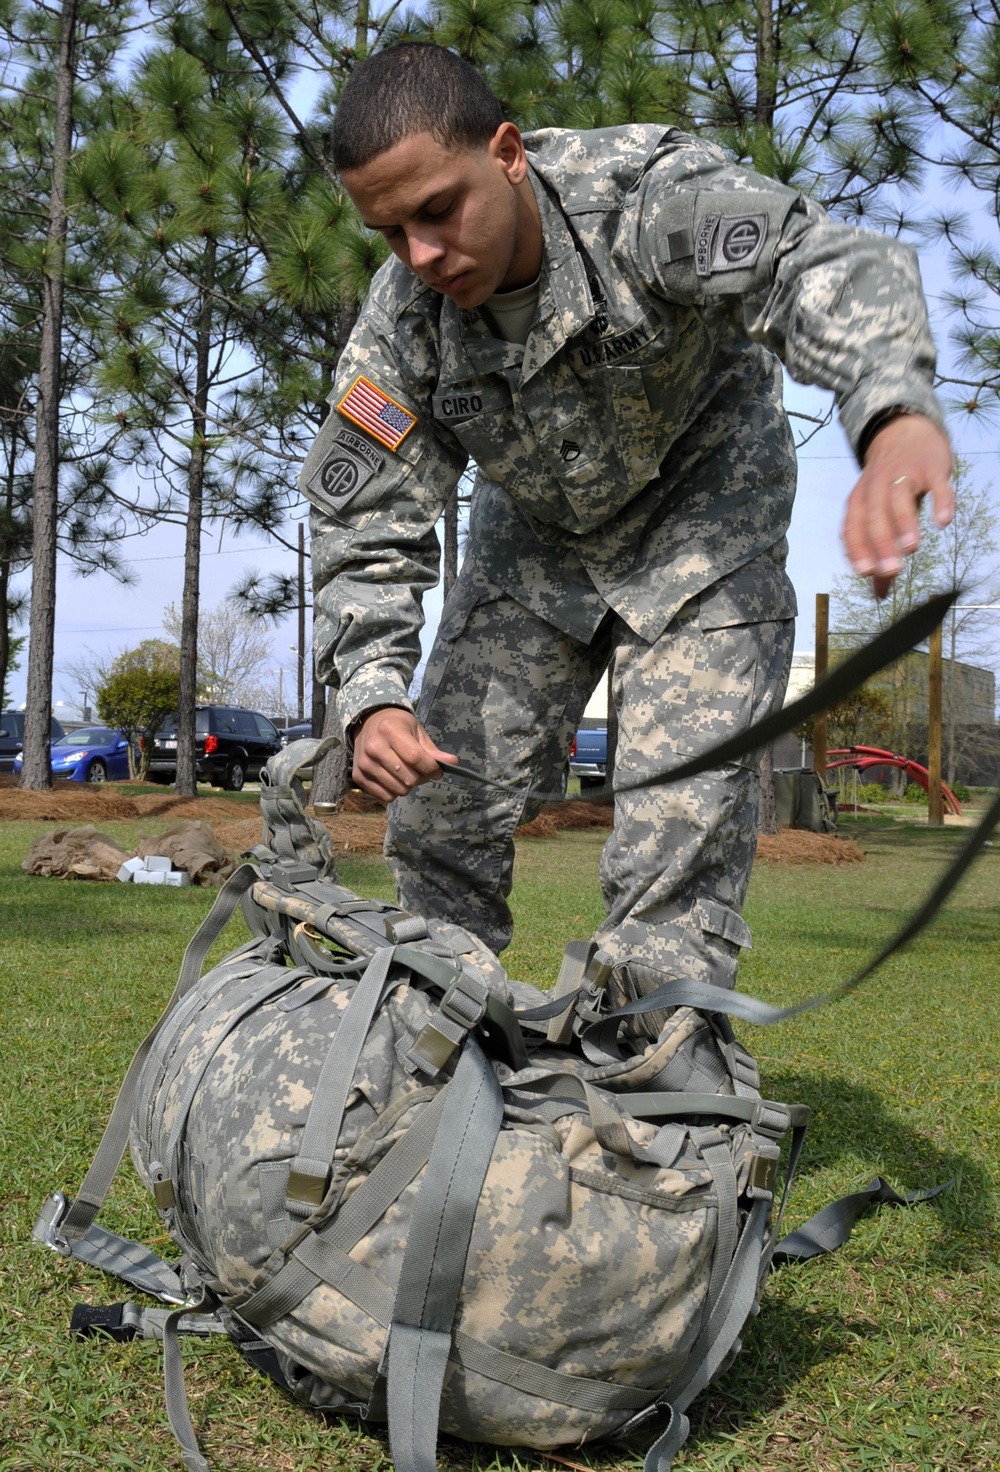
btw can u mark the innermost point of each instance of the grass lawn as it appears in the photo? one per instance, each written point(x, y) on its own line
point(885, 1356)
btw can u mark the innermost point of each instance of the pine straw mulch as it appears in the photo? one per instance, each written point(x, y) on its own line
point(797, 846)
point(72, 802)
point(358, 828)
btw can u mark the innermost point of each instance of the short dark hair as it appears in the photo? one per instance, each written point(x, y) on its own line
point(410, 88)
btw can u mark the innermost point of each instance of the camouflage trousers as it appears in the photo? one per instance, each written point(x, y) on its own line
point(505, 691)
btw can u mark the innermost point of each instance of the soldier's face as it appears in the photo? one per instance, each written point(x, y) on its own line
point(465, 221)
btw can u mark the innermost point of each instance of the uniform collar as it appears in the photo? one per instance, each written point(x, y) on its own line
point(565, 305)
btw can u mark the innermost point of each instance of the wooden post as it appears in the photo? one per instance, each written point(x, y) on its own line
point(822, 655)
point(935, 801)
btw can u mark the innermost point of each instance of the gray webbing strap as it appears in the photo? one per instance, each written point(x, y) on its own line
point(174, 1392)
point(715, 1153)
point(725, 1320)
point(97, 1182)
point(554, 1385)
point(765, 1115)
point(130, 1261)
point(728, 1313)
point(294, 836)
point(430, 1280)
point(320, 1256)
point(831, 1227)
point(310, 1170)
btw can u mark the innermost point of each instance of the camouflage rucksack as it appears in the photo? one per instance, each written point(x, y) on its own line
point(410, 1187)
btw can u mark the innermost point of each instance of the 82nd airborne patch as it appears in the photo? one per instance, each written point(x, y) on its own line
point(350, 465)
point(728, 243)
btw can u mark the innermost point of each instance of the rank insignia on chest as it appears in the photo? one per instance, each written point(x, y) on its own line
point(374, 411)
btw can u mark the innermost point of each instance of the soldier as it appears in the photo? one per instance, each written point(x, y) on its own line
point(595, 320)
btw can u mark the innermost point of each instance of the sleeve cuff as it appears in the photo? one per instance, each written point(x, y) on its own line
point(368, 690)
point(869, 407)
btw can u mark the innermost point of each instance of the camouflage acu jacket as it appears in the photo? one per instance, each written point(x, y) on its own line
point(634, 451)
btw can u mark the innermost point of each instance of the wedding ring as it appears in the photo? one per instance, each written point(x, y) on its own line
point(900, 478)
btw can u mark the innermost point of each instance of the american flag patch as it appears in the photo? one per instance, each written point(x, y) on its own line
point(375, 411)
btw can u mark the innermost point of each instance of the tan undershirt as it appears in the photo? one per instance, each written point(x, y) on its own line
point(511, 313)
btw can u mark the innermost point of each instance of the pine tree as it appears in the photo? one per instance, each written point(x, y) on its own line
point(188, 178)
point(961, 114)
point(57, 476)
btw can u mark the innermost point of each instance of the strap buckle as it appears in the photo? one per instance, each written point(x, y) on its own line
point(465, 1001)
point(763, 1171)
point(50, 1219)
point(770, 1119)
point(462, 1008)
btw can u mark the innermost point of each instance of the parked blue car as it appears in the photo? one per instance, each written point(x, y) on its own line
point(92, 754)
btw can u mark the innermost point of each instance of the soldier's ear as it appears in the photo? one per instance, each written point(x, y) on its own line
point(507, 148)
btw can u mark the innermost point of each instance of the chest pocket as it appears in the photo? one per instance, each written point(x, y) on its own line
point(654, 390)
point(480, 415)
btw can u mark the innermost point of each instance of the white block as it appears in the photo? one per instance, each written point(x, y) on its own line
point(129, 868)
point(150, 876)
point(158, 864)
point(177, 878)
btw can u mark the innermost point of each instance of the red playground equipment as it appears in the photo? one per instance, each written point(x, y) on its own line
point(865, 757)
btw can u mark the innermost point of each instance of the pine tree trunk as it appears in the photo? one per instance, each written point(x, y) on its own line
point(330, 777)
point(318, 707)
point(5, 564)
point(36, 772)
point(190, 598)
point(301, 651)
point(766, 97)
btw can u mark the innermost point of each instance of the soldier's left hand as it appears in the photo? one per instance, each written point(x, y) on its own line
point(907, 459)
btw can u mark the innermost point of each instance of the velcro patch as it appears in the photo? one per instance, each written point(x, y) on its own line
point(728, 243)
point(374, 411)
point(350, 465)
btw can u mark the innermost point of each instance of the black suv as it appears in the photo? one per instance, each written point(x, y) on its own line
point(12, 736)
point(231, 744)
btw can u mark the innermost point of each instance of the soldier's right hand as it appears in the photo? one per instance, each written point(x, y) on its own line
point(393, 754)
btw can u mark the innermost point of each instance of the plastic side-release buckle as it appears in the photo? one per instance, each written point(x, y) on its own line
point(287, 873)
point(50, 1219)
point(771, 1119)
point(461, 1008)
point(114, 1319)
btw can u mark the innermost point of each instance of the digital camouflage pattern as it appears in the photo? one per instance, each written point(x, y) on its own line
point(675, 871)
point(634, 451)
point(600, 1243)
point(635, 482)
